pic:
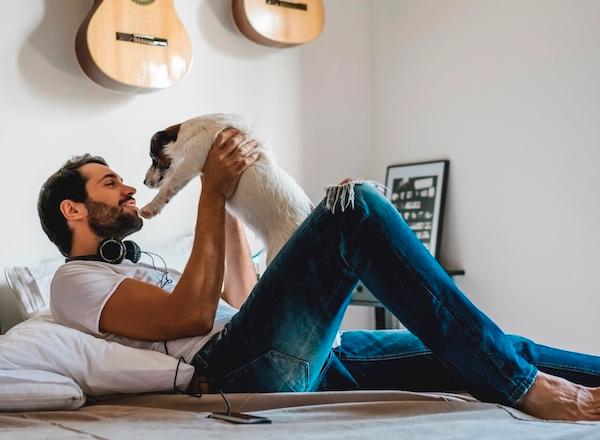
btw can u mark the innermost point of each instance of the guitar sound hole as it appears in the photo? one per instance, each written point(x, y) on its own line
point(143, 2)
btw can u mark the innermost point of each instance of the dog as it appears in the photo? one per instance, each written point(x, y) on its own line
point(268, 200)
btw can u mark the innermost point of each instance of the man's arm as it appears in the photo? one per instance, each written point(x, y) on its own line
point(143, 311)
point(240, 274)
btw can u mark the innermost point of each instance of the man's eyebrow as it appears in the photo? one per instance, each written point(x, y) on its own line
point(111, 175)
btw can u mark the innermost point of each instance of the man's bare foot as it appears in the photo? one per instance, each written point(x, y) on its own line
point(555, 398)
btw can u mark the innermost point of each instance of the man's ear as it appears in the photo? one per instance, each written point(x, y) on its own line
point(73, 210)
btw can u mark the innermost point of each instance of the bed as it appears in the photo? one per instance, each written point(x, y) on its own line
point(356, 414)
point(361, 415)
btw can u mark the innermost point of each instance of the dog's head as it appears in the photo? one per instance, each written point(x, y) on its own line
point(161, 161)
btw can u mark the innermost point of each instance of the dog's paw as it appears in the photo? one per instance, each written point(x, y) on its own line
point(149, 211)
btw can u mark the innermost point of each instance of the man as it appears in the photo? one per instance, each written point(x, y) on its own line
point(281, 337)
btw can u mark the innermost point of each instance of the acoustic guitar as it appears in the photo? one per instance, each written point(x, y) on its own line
point(279, 23)
point(133, 45)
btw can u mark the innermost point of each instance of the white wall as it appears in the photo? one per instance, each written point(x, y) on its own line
point(508, 91)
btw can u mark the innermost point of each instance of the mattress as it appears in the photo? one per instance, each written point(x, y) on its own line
point(325, 415)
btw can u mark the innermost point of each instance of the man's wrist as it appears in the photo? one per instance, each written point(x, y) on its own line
point(213, 195)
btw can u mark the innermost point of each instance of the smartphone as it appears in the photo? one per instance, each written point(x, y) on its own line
point(235, 417)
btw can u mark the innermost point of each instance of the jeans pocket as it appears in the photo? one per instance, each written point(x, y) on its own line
point(269, 373)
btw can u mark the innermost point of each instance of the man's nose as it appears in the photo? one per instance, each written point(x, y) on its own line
point(130, 190)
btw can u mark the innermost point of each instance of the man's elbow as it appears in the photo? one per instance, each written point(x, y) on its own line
point(206, 328)
point(191, 319)
point(199, 325)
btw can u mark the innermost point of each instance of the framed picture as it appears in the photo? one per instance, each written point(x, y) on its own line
point(418, 191)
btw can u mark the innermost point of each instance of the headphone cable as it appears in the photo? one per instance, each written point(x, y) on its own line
point(164, 278)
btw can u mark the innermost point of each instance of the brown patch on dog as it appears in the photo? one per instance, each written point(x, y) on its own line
point(157, 145)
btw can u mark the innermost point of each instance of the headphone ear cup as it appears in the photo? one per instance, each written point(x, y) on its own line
point(111, 250)
point(132, 251)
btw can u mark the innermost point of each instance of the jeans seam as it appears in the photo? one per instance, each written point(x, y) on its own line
point(387, 357)
point(516, 384)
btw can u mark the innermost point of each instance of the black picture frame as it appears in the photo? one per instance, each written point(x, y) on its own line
point(418, 191)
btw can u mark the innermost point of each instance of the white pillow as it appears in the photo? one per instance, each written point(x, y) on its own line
point(31, 285)
point(33, 390)
point(99, 367)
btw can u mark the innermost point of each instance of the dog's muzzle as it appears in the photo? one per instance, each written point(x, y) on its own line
point(153, 183)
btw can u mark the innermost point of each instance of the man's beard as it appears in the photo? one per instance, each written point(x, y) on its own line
point(112, 221)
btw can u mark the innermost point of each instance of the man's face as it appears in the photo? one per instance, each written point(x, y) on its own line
point(110, 205)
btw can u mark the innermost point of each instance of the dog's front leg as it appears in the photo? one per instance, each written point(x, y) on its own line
point(180, 178)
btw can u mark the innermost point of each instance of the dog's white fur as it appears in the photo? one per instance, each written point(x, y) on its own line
point(267, 199)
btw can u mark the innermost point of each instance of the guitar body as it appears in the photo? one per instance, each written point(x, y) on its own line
point(133, 45)
point(279, 23)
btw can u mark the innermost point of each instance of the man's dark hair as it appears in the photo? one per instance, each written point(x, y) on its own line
point(66, 184)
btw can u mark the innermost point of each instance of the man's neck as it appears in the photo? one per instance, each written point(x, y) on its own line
point(84, 244)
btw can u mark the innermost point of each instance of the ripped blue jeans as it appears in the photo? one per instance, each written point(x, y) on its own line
point(281, 339)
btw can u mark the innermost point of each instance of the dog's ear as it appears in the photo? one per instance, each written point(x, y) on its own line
point(173, 130)
point(170, 133)
point(163, 137)
point(156, 144)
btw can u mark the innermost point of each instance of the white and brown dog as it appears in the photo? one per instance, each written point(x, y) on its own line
point(267, 199)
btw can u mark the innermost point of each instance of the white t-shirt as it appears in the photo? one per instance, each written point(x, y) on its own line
point(80, 289)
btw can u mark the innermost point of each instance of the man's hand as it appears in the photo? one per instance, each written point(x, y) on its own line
point(229, 156)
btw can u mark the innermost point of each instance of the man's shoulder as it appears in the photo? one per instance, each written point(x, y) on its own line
point(75, 272)
point(79, 290)
point(82, 267)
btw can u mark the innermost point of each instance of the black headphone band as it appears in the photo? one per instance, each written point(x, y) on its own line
point(114, 251)
point(83, 258)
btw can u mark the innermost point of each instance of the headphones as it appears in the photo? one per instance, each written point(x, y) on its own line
point(114, 251)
